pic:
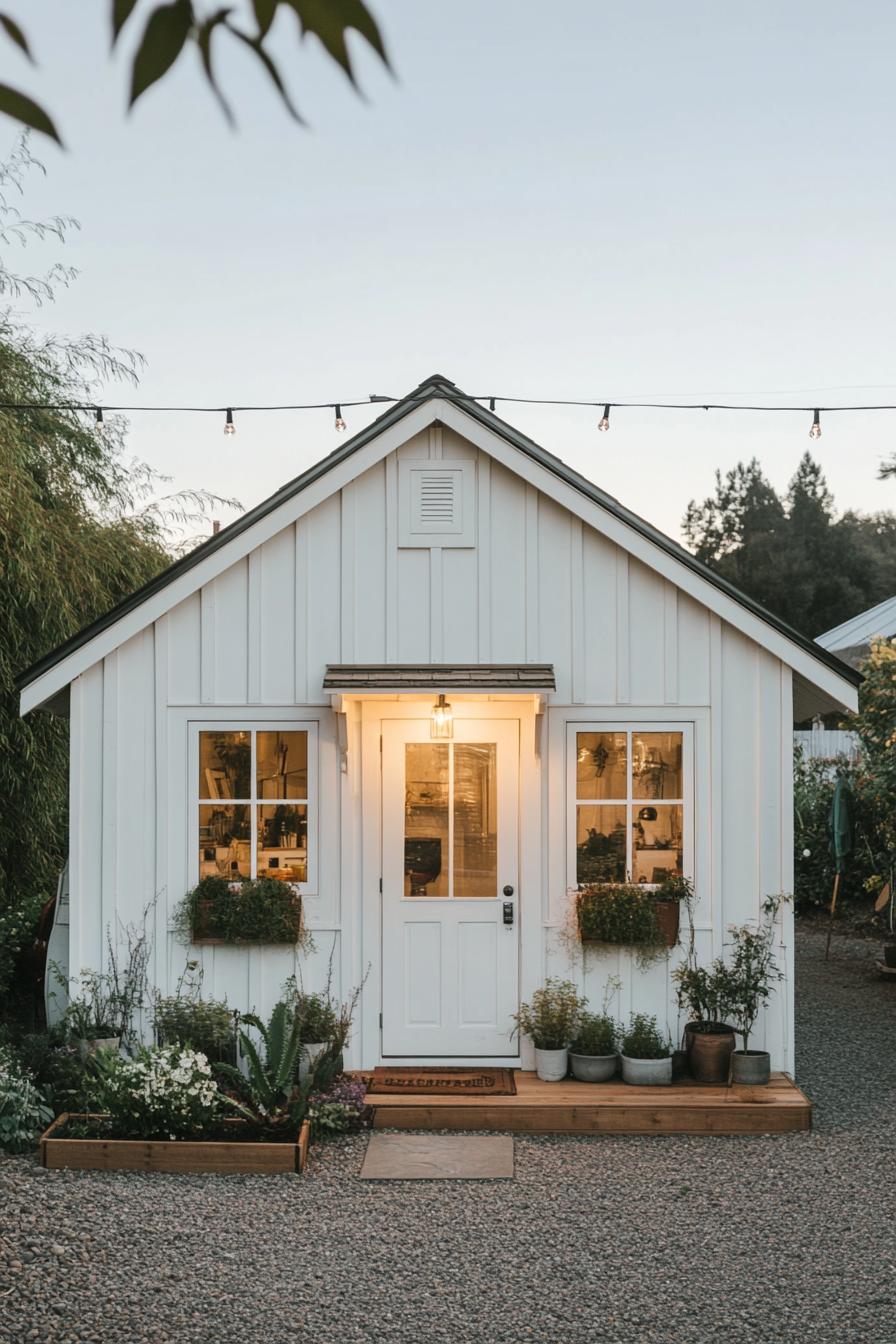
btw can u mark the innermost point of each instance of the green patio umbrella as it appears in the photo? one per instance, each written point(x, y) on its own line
point(842, 833)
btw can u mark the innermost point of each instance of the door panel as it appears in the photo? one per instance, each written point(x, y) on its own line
point(450, 847)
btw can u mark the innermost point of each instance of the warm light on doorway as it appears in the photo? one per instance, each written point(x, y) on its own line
point(442, 719)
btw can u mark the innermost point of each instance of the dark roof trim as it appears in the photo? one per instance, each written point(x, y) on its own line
point(440, 677)
point(430, 389)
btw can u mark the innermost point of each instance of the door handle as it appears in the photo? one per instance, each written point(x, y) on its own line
point(508, 890)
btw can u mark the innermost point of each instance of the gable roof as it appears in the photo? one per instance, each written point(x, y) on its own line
point(437, 398)
point(879, 621)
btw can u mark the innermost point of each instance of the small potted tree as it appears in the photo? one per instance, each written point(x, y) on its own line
point(592, 1054)
point(753, 973)
point(552, 1020)
point(646, 1053)
point(704, 993)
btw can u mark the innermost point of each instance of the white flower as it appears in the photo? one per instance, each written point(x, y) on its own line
point(807, 853)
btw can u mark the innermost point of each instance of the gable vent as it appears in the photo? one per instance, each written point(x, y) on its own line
point(437, 503)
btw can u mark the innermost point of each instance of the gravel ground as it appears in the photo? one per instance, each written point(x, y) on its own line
point(679, 1240)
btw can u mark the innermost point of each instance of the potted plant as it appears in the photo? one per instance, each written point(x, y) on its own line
point(646, 1053)
point(552, 1020)
point(316, 1018)
point(592, 1053)
point(708, 1039)
point(668, 899)
point(753, 972)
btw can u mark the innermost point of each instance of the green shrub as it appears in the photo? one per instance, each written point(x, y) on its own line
point(251, 910)
point(644, 1040)
point(24, 1113)
point(198, 1024)
point(596, 1035)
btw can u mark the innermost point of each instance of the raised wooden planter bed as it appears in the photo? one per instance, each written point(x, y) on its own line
point(180, 1155)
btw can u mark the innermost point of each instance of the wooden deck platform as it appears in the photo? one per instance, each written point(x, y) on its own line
point(606, 1108)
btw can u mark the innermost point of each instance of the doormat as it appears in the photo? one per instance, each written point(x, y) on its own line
point(437, 1157)
point(443, 1082)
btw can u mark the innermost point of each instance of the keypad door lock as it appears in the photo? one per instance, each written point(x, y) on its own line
point(508, 913)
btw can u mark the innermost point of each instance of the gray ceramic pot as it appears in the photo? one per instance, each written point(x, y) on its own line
point(751, 1068)
point(647, 1072)
point(551, 1065)
point(593, 1068)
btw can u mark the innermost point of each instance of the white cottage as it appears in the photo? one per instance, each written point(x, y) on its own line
point(272, 703)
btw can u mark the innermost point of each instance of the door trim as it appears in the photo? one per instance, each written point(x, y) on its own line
point(531, 905)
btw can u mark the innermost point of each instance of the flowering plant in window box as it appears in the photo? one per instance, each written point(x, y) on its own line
point(249, 910)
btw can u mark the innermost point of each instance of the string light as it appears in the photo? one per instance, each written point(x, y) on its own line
point(815, 431)
point(340, 424)
point(605, 419)
point(229, 426)
point(98, 425)
point(491, 404)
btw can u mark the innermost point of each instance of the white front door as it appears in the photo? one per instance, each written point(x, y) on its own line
point(450, 898)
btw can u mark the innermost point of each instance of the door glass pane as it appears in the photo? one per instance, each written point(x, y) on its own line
point(224, 840)
point(656, 842)
point(283, 842)
point(475, 820)
point(282, 765)
point(656, 765)
point(225, 761)
point(600, 765)
point(426, 819)
point(600, 844)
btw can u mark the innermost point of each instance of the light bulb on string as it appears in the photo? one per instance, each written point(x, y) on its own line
point(491, 403)
point(604, 424)
point(98, 425)
point(339, 424)
point(815, 431)
point(229, 426)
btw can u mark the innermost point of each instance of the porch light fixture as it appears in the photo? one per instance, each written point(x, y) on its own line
point(229, 426)
point(815, 431)
point(441, 723)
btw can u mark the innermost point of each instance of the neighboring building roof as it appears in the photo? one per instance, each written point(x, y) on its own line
point(433, 390)
point(876, 622)
point(440, 677)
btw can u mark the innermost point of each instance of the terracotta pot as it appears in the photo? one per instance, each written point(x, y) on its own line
point(710, 1055)
point(667, 917)
point(890, 955)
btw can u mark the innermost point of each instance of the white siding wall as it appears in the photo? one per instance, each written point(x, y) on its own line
point(335, 587)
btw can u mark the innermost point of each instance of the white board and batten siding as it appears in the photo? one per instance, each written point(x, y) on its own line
point(336, 586)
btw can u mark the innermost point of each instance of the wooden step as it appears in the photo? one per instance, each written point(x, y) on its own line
point(571, 1107)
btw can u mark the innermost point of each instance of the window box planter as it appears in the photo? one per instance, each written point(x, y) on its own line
point(626, 915)
point(180, 1155)
point(250, 911)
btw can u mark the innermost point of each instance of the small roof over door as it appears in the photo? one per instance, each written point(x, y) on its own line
point(489, 677)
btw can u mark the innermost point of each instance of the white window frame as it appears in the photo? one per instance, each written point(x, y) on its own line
point(253, 726)
point(687, 800)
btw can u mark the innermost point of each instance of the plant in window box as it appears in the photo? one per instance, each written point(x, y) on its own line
point(250, 910)
point(622, 914)
point(552, 1020)
point(646, 1053)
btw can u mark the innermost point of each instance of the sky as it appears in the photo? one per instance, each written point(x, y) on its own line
point(586, 200)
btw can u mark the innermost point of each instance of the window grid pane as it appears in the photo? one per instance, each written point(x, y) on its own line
point(650, 834)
